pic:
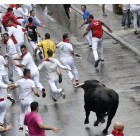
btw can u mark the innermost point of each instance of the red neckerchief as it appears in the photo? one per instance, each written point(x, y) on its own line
point(24, 54)
point(5, 41)
point(26, 77)
point(17, 6)
point(66, 40)
point(30, 24)
point(14, 39)
point(117, 132)
point(47, 59)
point(14, 25)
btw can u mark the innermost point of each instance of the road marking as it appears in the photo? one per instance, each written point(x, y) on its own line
point(51, 19)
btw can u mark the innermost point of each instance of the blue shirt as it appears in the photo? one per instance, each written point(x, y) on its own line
point(85, 16)
point(35, 22)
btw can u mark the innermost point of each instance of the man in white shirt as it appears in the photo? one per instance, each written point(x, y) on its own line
point(11, 54)
point(4, 76)
point(16, 32)
point(51, 64)
point(66, 57)
point(26, 91)
point(2, 8)
point(2, 100)
point(28, 63)
point(27, 8)
point(19, 13)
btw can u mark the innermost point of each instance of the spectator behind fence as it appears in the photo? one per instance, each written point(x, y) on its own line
point(118, 129)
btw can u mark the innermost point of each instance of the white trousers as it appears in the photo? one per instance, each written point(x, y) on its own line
point(27, 8)
point(5, 79)
point(33, 44)
point(135, 19)
point(35, 78)
point(20, 21)
point(1, 25)
point(18, 45)
point(69, 63)
point(11, 67)
point(135, 11)
point(25, 107)
point(97, 48)
point(2, 111)
point(88, 36)
point(53, 85)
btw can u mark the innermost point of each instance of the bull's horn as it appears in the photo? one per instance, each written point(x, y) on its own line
point(80, 85)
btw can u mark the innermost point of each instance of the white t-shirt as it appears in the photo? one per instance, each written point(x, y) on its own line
point(65, 50)
point(2, 85)
point(2, 67)
point(51, 67)
point(18, 33)
point(25, 88)
point(18, 12)
point(11, 49)
point(29, 63)
point(2, 6)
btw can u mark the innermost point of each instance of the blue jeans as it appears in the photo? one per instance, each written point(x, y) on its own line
point(126, 14)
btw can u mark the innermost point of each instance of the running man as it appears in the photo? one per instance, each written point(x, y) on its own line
point(51, 64)
point(28, 63)
point(2, 8)
point(34, 122)
point(19, 13)
point(46, 45)
point(67, 8)
point(97, 37)
point(26, 91)
point(11, 54)
point(2, 101)
point(36, 21)
point(33, 34)
point(17, 32)
point(66, 57)
point(4, 76)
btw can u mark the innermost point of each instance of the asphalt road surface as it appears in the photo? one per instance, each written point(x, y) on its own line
point(120, 71)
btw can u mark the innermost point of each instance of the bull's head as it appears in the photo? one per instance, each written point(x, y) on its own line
point(90, 83)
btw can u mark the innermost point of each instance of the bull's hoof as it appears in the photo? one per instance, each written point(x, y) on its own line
point(105, 132)
point(96, 123)
point(86, 122)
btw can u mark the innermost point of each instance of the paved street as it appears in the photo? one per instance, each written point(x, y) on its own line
point(120, 71)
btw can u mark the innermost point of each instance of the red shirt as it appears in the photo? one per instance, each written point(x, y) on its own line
point(32, 120)
point(12, 5)
point(6, 17)
point(96, 27)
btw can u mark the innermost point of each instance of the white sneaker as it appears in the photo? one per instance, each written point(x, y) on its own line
point(63, 94)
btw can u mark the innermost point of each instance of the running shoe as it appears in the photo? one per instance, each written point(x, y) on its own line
point(9, 97)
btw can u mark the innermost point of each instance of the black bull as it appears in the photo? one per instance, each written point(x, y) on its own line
point(101, 100)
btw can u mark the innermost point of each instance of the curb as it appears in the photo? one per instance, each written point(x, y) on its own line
point(114, 36)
